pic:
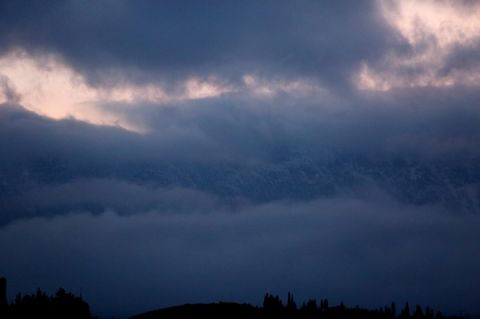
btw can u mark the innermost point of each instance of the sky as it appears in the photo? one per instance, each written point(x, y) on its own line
point(156, 153)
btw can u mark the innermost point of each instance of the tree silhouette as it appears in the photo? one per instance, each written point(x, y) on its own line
point(405, 313)
point(40, 305)
point(418, 312)
point(323, 305)
point(3, 296)
point(66, 305)
point(291, 305)
point(309, 310)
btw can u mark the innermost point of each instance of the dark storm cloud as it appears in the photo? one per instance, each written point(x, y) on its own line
point(356, 251)
point(226, 151)
point(414, 123)
point(164, 40)
point(431, 122)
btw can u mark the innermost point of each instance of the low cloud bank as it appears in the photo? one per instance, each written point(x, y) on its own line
point(353, 250)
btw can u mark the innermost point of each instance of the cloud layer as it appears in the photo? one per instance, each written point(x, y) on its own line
point(350, 250)
point(155, 153)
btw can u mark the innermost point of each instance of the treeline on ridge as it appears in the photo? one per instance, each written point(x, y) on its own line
point(274, 308)
point(66, 305)
point(40, 305)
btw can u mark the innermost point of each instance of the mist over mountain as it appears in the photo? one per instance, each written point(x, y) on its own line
point(76, 171)
point(158, 153)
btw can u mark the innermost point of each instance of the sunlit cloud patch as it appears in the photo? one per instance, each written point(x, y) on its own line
point(434, 32)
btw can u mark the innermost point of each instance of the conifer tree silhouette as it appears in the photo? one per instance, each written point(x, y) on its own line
point(405, 313)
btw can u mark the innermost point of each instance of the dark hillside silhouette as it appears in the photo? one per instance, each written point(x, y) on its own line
point(219, 310)
point(274, 308)
point(66, 305)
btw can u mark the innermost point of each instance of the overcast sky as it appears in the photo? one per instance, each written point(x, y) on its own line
point(156, 153)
